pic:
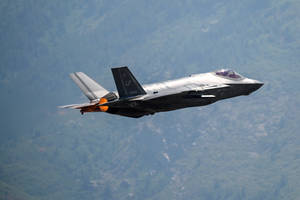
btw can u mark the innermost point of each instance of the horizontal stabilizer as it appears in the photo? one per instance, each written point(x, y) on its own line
point(88, 86)
point(79, 106)
point(126, 83)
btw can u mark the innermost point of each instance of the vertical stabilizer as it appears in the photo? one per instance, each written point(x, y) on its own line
point(126, 83)
point(88, 86)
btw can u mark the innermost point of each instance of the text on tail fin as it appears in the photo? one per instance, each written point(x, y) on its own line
point(126, 83)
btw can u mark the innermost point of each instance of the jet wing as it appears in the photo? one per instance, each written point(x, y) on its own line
point(184, 90)
point(129, 102)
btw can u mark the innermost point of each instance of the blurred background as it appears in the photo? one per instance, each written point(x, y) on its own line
point(240, 148)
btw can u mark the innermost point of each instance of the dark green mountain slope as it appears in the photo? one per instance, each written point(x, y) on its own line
point(242, 148)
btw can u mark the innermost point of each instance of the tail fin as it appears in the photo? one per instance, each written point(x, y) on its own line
point(88, 86)
point(126, 84)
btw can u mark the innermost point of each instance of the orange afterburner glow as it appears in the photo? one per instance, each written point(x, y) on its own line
point(103, 108)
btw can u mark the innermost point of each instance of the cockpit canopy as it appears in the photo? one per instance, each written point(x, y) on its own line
point(228, 73)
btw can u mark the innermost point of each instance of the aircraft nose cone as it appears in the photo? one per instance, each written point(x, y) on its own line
point(258, 85)
point(255, 86)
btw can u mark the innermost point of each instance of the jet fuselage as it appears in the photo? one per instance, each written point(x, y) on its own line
point(135, 100)
point(195, 90)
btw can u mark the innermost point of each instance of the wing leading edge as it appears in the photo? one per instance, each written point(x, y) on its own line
point(185, 90)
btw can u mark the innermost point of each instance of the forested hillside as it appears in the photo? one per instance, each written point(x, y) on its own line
point(241, 148)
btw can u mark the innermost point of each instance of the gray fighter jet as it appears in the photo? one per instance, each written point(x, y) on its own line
point(135, 100)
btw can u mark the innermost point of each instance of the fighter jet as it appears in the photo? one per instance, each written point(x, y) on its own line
point(135, 100)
